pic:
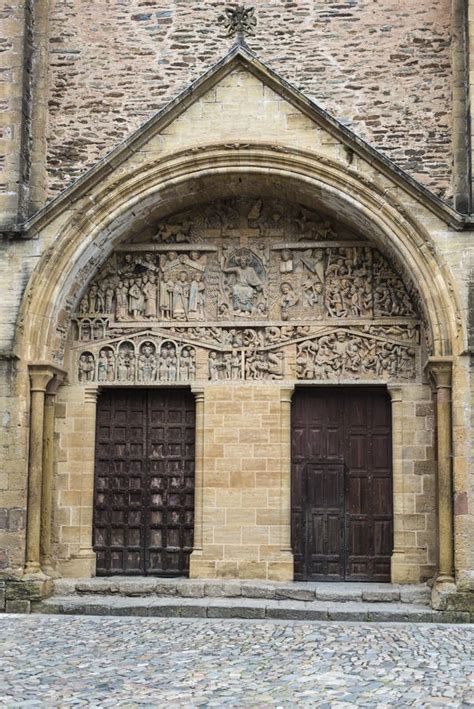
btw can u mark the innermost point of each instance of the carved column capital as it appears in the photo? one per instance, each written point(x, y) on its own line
point(58, 380)
point(395, 393)
point(286, 394)
point(440, 371)
point(42, 374)
point(91, 394)
point(198, 394)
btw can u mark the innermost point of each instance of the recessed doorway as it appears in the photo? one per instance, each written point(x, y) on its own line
point(342, 508)
point(144, 482)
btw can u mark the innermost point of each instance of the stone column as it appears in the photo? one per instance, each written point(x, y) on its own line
point(48, 470)
point(198, 476)
point(40, 376)
point(441, 373)
point(285, 470)
point(398, 574)
point(83, 563)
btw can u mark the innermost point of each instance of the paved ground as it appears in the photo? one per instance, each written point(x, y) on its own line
point(63, 661)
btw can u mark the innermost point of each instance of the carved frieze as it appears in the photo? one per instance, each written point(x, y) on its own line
point(349, 355)
point(137, 362)
point(246, 290)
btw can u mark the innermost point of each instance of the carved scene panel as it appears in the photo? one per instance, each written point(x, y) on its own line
point(246, 289)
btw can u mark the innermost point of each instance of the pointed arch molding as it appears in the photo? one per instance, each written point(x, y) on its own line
point(112, 209)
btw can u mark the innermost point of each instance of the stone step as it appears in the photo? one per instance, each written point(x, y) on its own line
point(249, 608)
point(298, 592)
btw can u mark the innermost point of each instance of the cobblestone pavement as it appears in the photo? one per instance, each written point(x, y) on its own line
point(63, 661)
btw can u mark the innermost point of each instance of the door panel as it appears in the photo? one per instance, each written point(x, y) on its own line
point(341, 484)
point(144, 484)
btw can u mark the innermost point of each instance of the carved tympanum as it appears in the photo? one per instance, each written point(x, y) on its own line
point(246, 289)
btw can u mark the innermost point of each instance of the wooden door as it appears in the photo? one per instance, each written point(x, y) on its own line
point(342, 484)
point(144, 482)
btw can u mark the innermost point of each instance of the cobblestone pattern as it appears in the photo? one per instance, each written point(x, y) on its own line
point(54, 661)
point(382, 68)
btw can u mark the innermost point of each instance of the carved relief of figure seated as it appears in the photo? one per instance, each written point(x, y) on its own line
point(246, 286)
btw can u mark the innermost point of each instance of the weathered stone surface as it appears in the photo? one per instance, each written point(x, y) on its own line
point(379, 595)
point(238, 609)
point(17, 606)
point(224, 589)
point(250, 590)
point(164, 588)
point(94, 586)
point(22, 590)
point(249, 608)
point(138, 587)
point(331, 593)
point(191, 589)
point(295, 594)
point(415, 594)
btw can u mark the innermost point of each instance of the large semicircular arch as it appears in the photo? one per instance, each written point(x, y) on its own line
point(110, 212)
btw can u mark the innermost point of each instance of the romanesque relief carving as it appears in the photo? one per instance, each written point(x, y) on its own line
point(86, 368)
point(246, 289)
point(390, 295)
point(269, 282)
point(349, 355)
point(225, 365)
point(264, 365)
point(138, 362)
point(264, 353)
point(249, 365)
point(146, 287)
point(243, 285)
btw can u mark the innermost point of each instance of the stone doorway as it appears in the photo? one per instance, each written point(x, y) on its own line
point(342, 503)
point(144, 482)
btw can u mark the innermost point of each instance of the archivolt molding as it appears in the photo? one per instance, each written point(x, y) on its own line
point(110, 213)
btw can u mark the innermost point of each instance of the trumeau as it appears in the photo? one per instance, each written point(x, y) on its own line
point(246, 289)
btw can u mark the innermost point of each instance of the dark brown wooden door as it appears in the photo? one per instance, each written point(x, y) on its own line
point(342, 484)
point(144, 482)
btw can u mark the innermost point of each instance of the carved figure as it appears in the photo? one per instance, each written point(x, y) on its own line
point(147, 363)
point(288, 299)
point(286, 263)
point(86, 368)
point(196, 298)
point(246, 283)
point(135, 300)
point(110, 366)
point(264, 365)
point(84, 306)
point(109, 299)
point(213, 366)
point(150, 293)
point(121, 301)
point(346, 354)
point(180, 297)
point(102, 366)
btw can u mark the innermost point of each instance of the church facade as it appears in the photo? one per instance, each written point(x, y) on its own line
point(238, 345)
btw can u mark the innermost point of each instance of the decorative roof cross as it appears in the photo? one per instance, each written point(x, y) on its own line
point(239, 21)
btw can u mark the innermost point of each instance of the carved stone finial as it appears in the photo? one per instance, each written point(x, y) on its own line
point(239, 21)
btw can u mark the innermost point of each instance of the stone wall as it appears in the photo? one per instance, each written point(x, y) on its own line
point(383, 68)
point(12, 467)
point(12, 27)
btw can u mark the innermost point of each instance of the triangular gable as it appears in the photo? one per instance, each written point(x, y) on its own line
point(241, 56)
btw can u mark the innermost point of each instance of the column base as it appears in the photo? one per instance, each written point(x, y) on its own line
point(50, 571)
point(33, 572)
